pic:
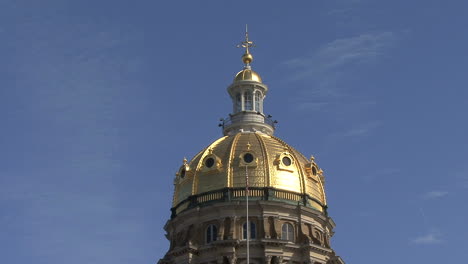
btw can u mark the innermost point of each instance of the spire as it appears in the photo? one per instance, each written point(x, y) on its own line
point(247, 58)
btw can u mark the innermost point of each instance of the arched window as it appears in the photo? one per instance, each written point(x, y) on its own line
point(248, 101)
point(287, 232)
point(211, 233)
point(238, 104)
point(258, 98)
point(252, 231)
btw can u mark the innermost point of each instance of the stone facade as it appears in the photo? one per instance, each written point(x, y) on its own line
point(310, 242)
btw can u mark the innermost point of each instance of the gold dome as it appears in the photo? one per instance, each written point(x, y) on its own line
point(248, 75)
point(272, 163)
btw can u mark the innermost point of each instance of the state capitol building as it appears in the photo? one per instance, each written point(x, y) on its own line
point(249, 197)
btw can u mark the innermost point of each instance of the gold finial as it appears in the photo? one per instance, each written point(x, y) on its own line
point(248, 146)
point(312, 158)
point(247, 58)
point(185, 161)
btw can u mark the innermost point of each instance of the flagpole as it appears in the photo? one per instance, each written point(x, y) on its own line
point(247, 210)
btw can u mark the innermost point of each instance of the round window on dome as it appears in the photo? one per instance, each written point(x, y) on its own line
point(209, 162)
point(286, 161)
point(248, 157)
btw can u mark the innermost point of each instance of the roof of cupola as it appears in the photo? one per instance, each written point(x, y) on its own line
point(248, 75)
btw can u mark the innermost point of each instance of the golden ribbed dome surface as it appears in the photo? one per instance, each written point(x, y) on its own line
point(248, 75)
point(270, 163)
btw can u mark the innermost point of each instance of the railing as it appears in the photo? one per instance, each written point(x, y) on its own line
point(255, 193)
point(209, 197)
point(247, 116)
point(288, 196)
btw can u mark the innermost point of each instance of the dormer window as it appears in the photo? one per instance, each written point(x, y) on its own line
point(209, 162)
point(183, 171)
point(248, 157)
point(285, 162)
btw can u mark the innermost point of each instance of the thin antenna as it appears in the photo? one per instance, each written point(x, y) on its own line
point(246, 32)
point(247, 209)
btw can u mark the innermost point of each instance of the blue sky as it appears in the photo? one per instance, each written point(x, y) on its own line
point(101, 100)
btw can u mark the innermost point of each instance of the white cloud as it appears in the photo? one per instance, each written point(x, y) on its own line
point(428, 239)
point(435, 194)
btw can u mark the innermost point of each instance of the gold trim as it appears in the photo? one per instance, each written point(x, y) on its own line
point(231, 160)
point(266, 160)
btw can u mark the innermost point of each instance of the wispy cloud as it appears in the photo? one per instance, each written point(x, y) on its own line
point(435, 194)
point(361, 130)
point(358, 130)
point(430, 238)
point(340, 53)
point(68, 196)
point(462, 178)
point(330, 69)
point(383, 172)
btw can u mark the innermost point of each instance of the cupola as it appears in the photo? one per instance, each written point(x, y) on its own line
point(247, 92)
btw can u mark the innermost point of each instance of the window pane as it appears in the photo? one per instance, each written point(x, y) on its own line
point(238, 103)
point(211, 233)
point(257, 101)
point(252, 231)
point(208, 234)
point(287, 232)
point(290, 233)
point(214, 233)
point(284, 232)
point(244, 231)
point(247, 101)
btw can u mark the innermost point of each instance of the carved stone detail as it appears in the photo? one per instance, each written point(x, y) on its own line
point(227, 229)
point(275, 227)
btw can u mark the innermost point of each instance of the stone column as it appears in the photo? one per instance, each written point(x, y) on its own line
point(232, 259)
point(277, 228)
point(220, 230)
point(233, 228)
point(266, 228)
